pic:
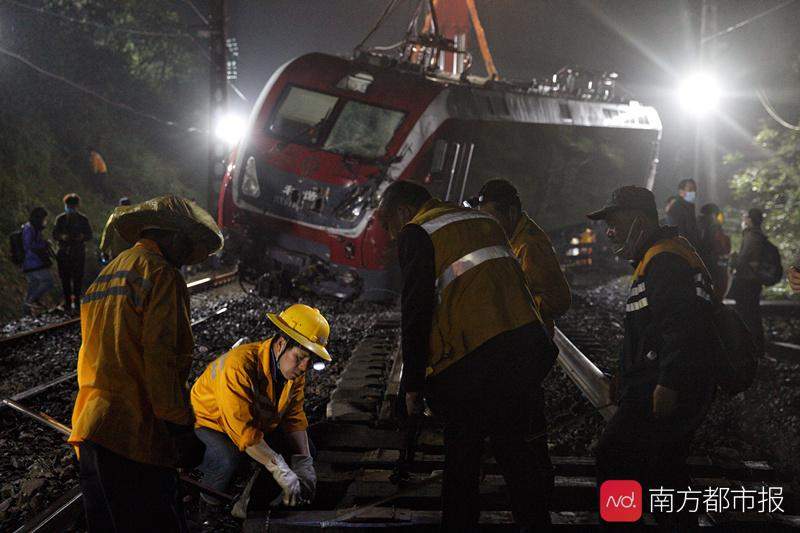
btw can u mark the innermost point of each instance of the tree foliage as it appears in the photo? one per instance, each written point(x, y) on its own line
point(772, 182)
point(156, 45)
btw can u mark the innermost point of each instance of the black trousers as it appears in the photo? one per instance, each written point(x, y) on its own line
point(747, 294)
point(634, 445)
point(122, 495)
point(494, 392)
point(70, 269)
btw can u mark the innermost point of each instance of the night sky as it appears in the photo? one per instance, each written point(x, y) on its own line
point(651, 43)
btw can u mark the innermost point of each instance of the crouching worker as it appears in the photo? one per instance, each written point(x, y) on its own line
point(132, 423)
point(250, 400)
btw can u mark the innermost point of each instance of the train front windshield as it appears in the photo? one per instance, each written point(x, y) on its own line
point(358, 129)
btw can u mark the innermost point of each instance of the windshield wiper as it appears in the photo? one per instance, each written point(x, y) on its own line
point(282, 144)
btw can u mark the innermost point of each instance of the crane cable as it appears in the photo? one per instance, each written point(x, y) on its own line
point(389, 8)
point(762, 97)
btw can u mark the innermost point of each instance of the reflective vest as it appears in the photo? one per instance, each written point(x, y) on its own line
point(480, 287)
point(704, 288)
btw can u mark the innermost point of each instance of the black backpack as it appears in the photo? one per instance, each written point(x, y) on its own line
point(770, 269)
point(17, 247)
point(737, 354)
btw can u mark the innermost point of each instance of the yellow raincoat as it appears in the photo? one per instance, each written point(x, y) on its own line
point(543, 274)
point(98, 163)
point(236, 396)
point(135, 357)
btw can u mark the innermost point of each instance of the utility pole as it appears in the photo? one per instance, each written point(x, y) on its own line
point(705, 148)
point(218, 86)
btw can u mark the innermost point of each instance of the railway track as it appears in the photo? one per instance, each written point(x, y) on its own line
point(196, 286)
point(358, 451)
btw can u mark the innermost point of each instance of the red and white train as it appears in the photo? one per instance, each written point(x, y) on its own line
point(328, 134)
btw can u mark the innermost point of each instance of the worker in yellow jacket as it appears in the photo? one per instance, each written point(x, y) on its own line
point(250, 401)
point(474, 344)
point(532, 248)
point(132, 423)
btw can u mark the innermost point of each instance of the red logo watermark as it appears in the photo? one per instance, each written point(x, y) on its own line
point(621, 500)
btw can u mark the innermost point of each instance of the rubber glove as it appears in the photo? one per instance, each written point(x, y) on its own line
point(303, 466)
point(276, 465)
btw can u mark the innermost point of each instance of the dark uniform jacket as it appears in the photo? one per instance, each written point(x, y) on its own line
point(749, 255)
point(71, 231)
point(680, 214)
point(667, 317)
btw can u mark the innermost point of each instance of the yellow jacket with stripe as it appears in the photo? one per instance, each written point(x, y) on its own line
point(480, 288)
point(543, 274)
point(134, 358)
point(236, 396)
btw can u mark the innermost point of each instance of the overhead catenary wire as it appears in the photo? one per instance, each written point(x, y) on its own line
point(130, 31)
point(389, 8)
point(746, 21)
point(196, 11)
point(765, 103)
point(95, 94)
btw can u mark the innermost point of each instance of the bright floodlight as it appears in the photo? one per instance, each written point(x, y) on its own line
point(230, 128)
point(699, 93)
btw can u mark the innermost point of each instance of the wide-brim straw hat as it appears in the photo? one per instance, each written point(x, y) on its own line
point(171, 213)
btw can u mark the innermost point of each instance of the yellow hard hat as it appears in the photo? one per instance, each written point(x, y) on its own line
point(306, 326)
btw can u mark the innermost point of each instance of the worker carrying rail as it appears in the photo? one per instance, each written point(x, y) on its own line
point(472, 339)
point(666, 379)
point(132, 423)
point(531, 246)
point(250, 400)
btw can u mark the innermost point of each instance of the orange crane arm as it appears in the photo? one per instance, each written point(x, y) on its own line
point(482, 43)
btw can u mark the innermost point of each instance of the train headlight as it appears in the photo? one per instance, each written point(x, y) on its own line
point(250, 185)
point(319, 366)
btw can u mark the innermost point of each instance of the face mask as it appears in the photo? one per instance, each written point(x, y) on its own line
point(633, 240)
point(69, 209)
point(689, 196)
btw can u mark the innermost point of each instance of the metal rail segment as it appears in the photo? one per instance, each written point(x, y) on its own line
point(194, 287)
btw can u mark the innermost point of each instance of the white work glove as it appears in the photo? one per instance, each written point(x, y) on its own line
point(303, 466)
point(280, 471)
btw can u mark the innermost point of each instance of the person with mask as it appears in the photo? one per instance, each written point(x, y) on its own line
point(250, 401)
point(746, 286)
point(680, 210)
point(531, 246)
point(132, 423)
point(37, 260)
point(475, 345)
point(714, 246)
point(665, 376)
point(71, 232)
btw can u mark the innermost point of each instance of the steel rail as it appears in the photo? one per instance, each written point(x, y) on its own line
point(64, 510)
point(72, 375)
point(194, 287)
point(65, 430)
point(591, 381)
